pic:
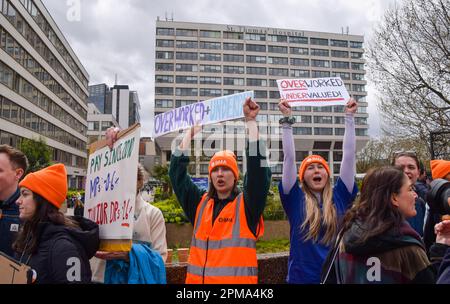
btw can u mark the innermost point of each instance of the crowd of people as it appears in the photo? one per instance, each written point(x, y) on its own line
point(388, 233)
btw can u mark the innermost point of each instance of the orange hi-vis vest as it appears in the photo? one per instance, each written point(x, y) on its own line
point(223, 252)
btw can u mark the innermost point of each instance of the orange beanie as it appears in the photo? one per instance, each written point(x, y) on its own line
point(224, 159)
point(440, 168)
point(311, 160)
point(50, 183)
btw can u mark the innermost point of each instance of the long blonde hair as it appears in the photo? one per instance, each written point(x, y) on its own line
point(314, 220)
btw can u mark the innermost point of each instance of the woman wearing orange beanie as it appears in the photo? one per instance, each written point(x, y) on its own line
point(56, 247)
point(226, 222)
point(440, 169)
point(314, 208)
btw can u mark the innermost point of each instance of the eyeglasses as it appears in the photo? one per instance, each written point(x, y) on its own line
point(398, 154)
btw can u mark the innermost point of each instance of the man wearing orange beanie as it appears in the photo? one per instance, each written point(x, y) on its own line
point(440, 169)
point(226, 222)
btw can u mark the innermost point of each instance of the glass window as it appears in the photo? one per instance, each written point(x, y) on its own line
point(163, 91)
point(340, 65)
point(233, 69)
point(340, 54)
point(256, 59)
point(256, 71)
point(210, 45)
point(278, 60)
point(299, 62)
point(320, 74)
point(299, 51)
point(256, 82)
point(320, 63)
point(211, 92)
point(233, 58)
point(323, 131)
point(318, 41)
point(339, 43)
point(255, 48)
point(233, 35)
point(302, 131)
point(210, 68)
point(163, 103)
point(277, 38)
point(187, 56)
point(320, 52)
point(164, 55)
point(164, 31)
point(164, 43)
point(186, 67)
point(300, 73)
point(211, 57)
point(278, 49)
point(358, 77)
point(182, 44)
point(210, 80)
point(278, 72)
point(343, 75)
point(164, 79)
point(356, 44)
point(233, 81)
point(256, 37)
point(356, 55)
point(187, 79)
point(323, 119)
point(233, 46)
point(299, 40)
point(186, 92)
point(187, 32)
point(210, 34)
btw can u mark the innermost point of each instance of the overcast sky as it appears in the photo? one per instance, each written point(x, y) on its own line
point(118, 36)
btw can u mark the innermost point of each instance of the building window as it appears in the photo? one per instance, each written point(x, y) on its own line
point(256, 71)
point(323, 119)
point(360, 98)
point(278, 60)
point(210, 34)
point(256, 59)
point(260, 94)
point(278, 49)
point(164, 31)
point(318, 41)
point(233, 35)
point(233, 81)
point(186, 67)
point(227, 69)
point(164, 43)
point(256, 37)
point(256, 48)
point(361, 132)
point(251, 82)
point(164, 67)
point(164, 79)
point(362, 110)
point(233, 46)
point(231, 92)
point(323, 109)
point(279, 72)
point(299, 40)
point(186, 92)
point(356, 44)
point(320, 52)
point(343, 75)
point(210, 92)
point(277, 38)
point(233, 58)
point(340, 65)
point(361, 120)
point(187, 79)
point(339, 120)
point(357, 66)
point(210, 80)
point(274, 95)
point(210, 57)
point(182, 44)
point(358, 77)
point(182, 103)
point(164, 55)
point(299, 62)
point(356, 55)
point(359, 88)
point(320, 63)
point(299, 51)
point(187, 33)
point(339, 43)
point(210, 45)
point(320, 74)
point(163, 91)
point(163, 103)
point(210, 68)
point(340, 54)
point(302, 131)
point(187, 56)
point(300, 73)
point(339, 109)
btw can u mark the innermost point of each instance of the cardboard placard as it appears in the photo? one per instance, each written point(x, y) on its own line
point(12, 271)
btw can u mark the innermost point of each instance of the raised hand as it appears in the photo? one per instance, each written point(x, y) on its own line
point(442, 231)
point(352, 106)
point(251, 109)
point(111, 136)
point(285, 107)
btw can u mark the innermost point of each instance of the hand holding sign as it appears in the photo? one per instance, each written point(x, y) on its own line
point(352, 106)
point(251, 109)
point(111, 136)
point(285, 108)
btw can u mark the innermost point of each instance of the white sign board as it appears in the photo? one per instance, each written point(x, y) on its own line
point(317, 92)
point(111, 186)
point(203, 113)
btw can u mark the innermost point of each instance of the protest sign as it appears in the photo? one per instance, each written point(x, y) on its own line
point(202, 183)
point(317, 92)
point(111, 189)
point(13, 272)
point(204, 113)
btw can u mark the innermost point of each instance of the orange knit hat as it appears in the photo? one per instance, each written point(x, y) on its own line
point(50, 183)
point(224, 159)
point(311, 160)
point(440, 168)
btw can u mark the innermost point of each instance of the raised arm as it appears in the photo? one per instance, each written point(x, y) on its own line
point(289, 167)
point(348, 166)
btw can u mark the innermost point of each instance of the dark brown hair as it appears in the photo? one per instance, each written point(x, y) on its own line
point(28, 239)
point(374, 207)
point(16, 157)
point(409, 154)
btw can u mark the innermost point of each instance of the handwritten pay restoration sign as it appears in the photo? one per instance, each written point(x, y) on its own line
point(111, 186)
point(314, 92)
point(207, 112)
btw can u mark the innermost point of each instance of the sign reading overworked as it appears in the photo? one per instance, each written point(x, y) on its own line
point(201, 113)
point(314, 92)
point(111, 187)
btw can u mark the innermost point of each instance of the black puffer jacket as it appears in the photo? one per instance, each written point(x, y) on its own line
point(63, 253)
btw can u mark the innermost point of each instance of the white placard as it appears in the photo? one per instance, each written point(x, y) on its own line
point(111, 187)
point(316, 92)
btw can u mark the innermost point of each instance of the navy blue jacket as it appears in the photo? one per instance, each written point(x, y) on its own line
point(9, 223)
point(444, 270)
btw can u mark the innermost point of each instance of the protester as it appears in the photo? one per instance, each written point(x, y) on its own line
point(227, 223)
point(313, 207)
point(78, 206)
point(444, 270)
point(56, 247)
point(408, 161)
point(377, 245)
point(13, 165)
point(440, 169)
point(149, 242)
point(421, 185)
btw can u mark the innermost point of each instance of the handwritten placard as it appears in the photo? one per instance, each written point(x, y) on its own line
point(317, 92)
point(111, 186)
point(204, 113)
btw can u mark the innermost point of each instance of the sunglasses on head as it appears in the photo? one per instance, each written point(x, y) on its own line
point(398, 154)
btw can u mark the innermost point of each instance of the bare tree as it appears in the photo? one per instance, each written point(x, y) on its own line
point(409, 62)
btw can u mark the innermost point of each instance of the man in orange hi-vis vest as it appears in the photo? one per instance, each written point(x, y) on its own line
point(227, 223)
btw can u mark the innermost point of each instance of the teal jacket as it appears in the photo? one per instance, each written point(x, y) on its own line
point(256, 186)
